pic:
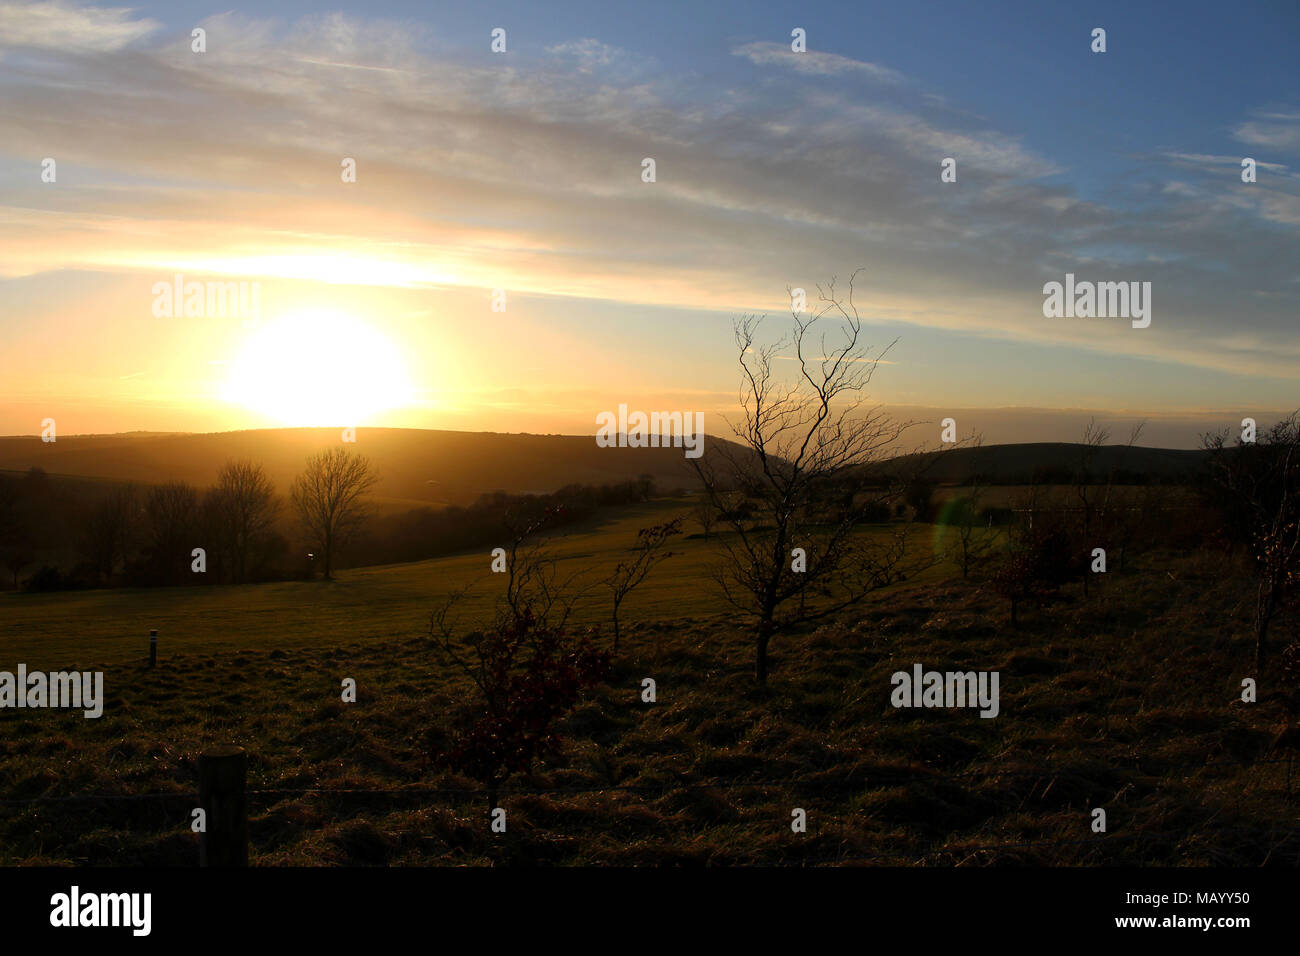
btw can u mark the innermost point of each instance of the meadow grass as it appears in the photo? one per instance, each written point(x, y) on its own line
point(1128, 700)
point(381, 603)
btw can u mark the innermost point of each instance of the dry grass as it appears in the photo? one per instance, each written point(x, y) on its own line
point(1128, 701)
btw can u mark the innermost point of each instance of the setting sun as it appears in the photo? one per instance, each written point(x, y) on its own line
point(549, 434)
point(318, 368)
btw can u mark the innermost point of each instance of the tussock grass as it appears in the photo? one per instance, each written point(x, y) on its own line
point(1127, 700)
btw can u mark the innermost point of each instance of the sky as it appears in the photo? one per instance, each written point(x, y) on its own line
point(522, 171)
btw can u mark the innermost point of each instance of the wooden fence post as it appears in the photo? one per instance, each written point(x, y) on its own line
point(224, 842)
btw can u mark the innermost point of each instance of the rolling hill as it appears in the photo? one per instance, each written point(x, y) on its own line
point(1052, 461)
point(415, 466)
point(425, 467)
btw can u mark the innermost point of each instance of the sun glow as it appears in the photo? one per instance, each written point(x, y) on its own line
point(319, 368)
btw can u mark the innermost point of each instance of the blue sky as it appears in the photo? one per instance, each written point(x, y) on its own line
point(774, 170)
point(1175, 75)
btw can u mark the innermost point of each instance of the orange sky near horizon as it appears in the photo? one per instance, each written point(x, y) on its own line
point(376, 188)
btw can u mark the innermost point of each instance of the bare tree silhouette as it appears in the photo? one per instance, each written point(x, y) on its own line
point(803, 470)
point(17, 537)
point(1258, 487)
point(171, 516)
point(327, 496)
point(109, 531)
point(646, 553)
point(244, 501)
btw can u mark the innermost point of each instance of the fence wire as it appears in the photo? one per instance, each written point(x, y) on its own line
point(886, 776)
point(792, 784)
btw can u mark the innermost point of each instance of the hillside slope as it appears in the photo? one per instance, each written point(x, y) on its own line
point(1017, 464)
point(414, 464)
point(446, 467)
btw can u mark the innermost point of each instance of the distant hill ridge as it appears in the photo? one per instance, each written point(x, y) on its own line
point(438, 467)
point(1016, 463)
point(450, 467)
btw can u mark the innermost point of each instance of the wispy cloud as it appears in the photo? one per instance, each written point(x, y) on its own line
point(1274, 129)
point(589, 55)
point(814, 62)
point(527, 171)
point(1202, 161)
point(62, 26)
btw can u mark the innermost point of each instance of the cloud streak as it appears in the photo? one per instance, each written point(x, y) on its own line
point(815, 63)
point(526, 172)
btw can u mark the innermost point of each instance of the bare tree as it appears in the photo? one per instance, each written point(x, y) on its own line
point(1039, 559)
point(803, 466)
point(534, 598)
point(646, 553)
point(528, 678)
point(327, 496)
point(171, 513)
point(1094, 438)
point(974, 541)
point(918, 494)
point(1119, 513)
point(17, 541)
point(705, 513)
point(533, 586)
point(215, 537)
point(109, 532)
point(1258, 488)
point(245, 500)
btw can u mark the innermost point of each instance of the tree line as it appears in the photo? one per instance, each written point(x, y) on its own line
point(423, 533)
point(67, 534)
point(174, 533)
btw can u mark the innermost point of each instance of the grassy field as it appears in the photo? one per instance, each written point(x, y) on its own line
point(373, 604)
point(1128, 700)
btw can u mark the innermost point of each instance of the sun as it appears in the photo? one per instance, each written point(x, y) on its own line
point(319, 368)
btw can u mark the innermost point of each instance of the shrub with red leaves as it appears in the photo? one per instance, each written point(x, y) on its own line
point(529, 677)
point(1036, 566)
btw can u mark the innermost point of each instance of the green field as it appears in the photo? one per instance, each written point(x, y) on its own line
point(1127, 700)
point(385, 603)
